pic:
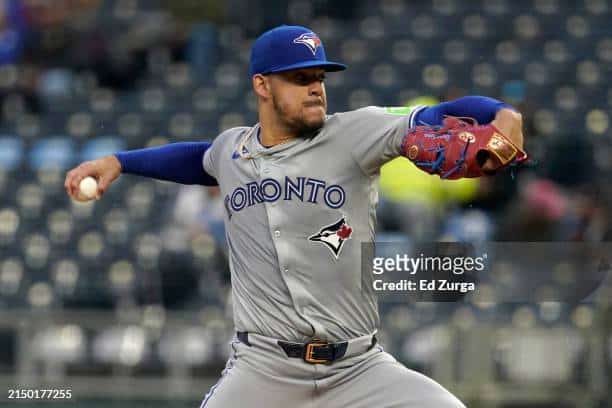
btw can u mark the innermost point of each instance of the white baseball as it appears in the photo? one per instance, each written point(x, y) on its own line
point(88, 187)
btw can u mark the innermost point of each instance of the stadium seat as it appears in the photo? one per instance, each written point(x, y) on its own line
point(423, 27)
point(54, 152)
point(139, 199)
point(566, 98)
point(40, 295)
point(475, 27)
point(153, 100)
point(181, 126)
point(203, 248)
point(91, 245)
point(588, 73)
point(596, 6)
point(545, 121)
point(11, 152)
point(435, 76)
point(187, 346)
point(127, 346)
point(131, 127)
point(484, 75)
point(372, 27)
point(59, 226)
point(359, 98)
point(496, 7)
point(51, 181)
point(597, 121)
point(102, 101)
point(79, 125)
point(122, 278)
point(65, 276)
point(508, 52)
point(28, 126)
point(400, 319)
point(445, 7)
point(11, 277)
point(205, 100)
point(116, 226)
point(556, 51)
point(36, 250)
point(405, 51)
point(425, 346)
point(547, 7)
point(9, 224)
point(228, 76)
point(384, 75)
point(537, 74)
point(539, 356)
point(526, 27)
point(178, 76)
point(577, 27)
point(30, 200)
point(583, 317)
point(59, 345)
point(147, 248)
point(230, 120)
point(353, 51)
point(455, 51)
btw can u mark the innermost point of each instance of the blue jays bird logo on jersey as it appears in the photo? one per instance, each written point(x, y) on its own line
point(333, 236)
point(310, 40)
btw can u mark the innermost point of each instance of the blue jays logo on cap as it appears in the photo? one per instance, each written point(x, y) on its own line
point(310, 40)
point(289, 47)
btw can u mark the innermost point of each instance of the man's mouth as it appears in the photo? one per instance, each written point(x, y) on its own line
point(313, 103)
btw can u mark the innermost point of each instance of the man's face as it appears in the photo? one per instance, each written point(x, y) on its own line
point(299, 99)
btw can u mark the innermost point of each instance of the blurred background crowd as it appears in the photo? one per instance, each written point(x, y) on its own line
point(128, 297)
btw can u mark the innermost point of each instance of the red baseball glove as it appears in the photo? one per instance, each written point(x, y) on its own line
point(459, 148)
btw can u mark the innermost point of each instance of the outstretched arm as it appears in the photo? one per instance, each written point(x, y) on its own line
point(177, 162)
point(481, 108)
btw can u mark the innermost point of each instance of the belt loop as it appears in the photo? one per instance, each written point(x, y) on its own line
point(243, 337)
point(374, 341)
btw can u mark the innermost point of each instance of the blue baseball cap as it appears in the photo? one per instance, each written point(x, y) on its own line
point(289, 47)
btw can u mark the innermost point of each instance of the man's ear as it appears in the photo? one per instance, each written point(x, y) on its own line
point(261, 86)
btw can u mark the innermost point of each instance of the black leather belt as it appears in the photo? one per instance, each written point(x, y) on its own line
point(314, 352)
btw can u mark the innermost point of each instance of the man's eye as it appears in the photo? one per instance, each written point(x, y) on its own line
point(302, 79)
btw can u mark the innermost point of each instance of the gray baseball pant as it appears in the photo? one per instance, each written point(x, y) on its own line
point(260, 375)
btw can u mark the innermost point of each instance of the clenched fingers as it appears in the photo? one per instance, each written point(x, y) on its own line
point(74, 177)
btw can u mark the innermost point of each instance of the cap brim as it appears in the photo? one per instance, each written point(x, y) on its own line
point(327, 66)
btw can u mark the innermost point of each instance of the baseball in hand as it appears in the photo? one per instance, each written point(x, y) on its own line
point(88, 187)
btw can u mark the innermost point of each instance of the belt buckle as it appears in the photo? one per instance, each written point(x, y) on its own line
point(308, 354)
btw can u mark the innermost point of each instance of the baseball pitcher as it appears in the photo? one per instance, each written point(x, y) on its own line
point(300, 194)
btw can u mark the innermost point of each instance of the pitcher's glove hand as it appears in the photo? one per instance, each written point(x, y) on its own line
point(461, 148)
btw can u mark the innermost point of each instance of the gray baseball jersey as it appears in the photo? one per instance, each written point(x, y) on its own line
point(297, 214)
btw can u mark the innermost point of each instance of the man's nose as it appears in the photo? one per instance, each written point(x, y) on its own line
point(316, 88)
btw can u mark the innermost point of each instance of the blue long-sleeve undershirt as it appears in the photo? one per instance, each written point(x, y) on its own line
point(182, 162)
point(177, 162)
point(481, 108)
